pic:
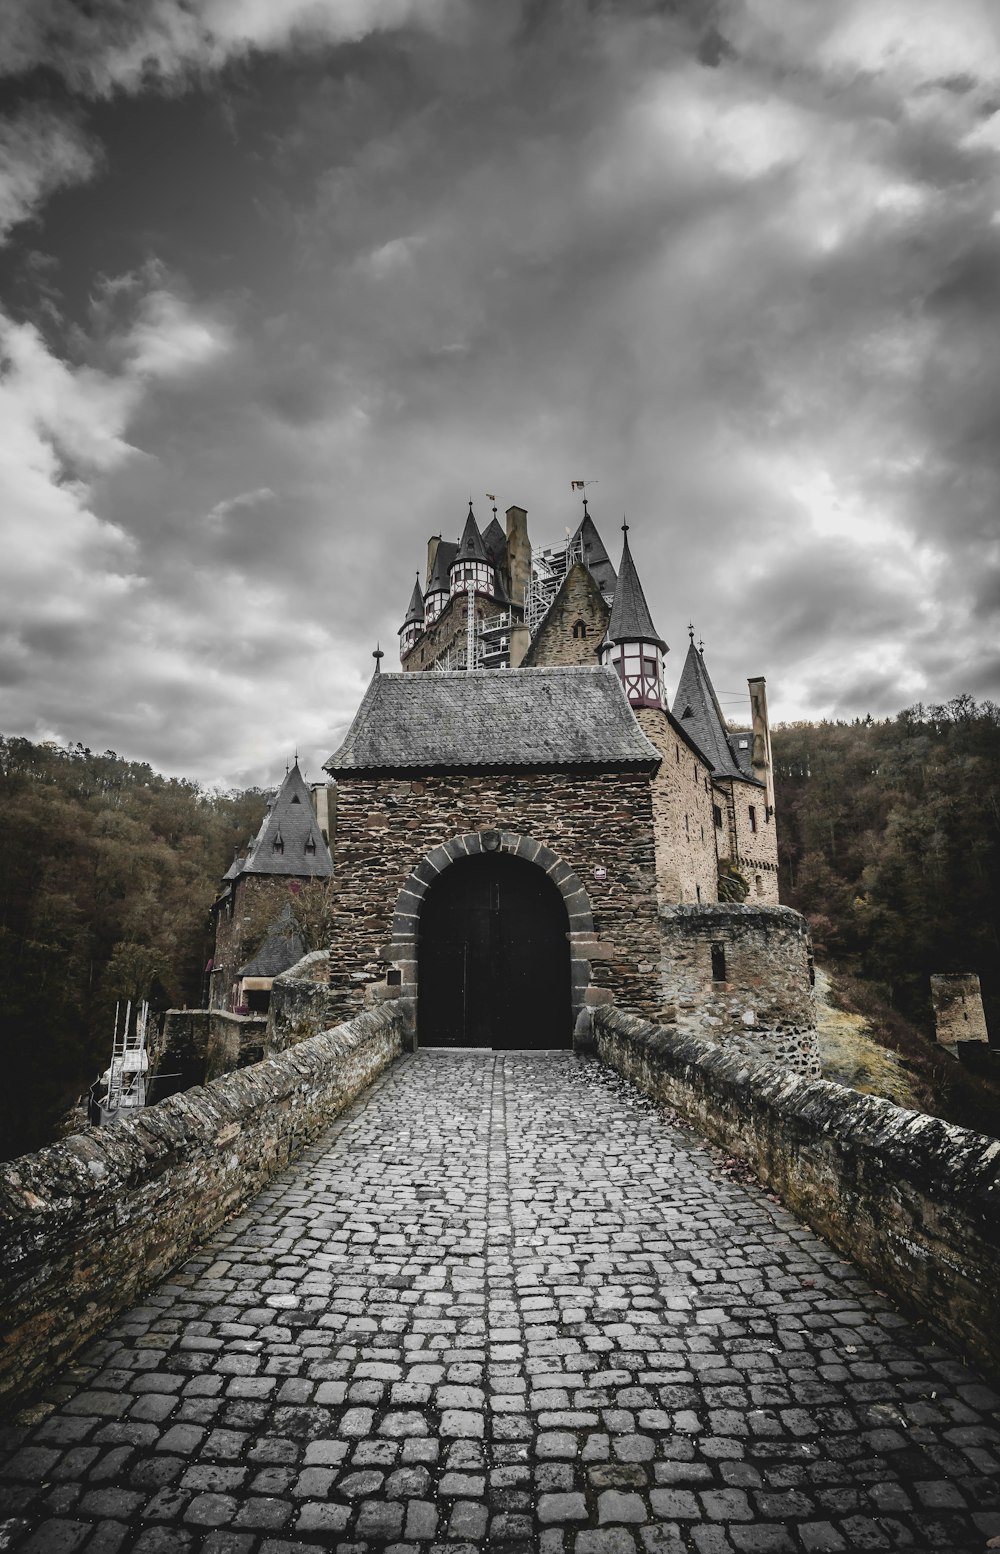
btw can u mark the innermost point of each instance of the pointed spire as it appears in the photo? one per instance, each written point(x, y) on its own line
point(696, 708)
point(286, 842)
point(378, 655)
point(470, 546)
point(630, 618)
point(415, 609)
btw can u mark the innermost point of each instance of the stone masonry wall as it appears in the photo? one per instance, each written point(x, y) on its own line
point(599, 821)
point(755, 853)
point(764, 1003)
point(90, 1223)
point(579, 599)
point(686, 859)
point(913, 1200)
point(216, 1040)
point(300, 1002)
point(959, 1015)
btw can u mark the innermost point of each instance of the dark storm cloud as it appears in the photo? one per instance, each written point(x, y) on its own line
point(737, 264)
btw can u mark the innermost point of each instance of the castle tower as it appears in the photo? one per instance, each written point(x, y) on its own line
point(633, 646)
point(289, 846)
point(471, 568)
point(413, 621)
point(438, 590)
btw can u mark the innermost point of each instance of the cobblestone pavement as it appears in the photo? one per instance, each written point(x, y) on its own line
point(505, 1303)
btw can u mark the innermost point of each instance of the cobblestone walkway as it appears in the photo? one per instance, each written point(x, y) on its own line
point(504, 1304)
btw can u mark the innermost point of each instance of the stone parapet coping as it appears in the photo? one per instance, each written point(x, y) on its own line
point(91, 1223)
point(912, 1200)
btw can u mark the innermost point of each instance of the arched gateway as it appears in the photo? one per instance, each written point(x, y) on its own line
point(491, 932)
point(493, 957)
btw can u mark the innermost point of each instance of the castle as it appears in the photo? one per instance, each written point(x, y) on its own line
point(521, 825)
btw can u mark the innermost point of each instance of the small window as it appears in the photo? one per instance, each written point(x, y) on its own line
point(697, 891)
point(702, 830)
point(718, 963)
point(687, 828)
point(744, 744)
point(696, 771)
point(753, 817)
point(580, 630)
point(717, 815)
point(758, 884)
point(296, 799)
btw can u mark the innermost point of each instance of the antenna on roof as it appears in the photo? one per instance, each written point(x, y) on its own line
point(690, 631)
point(624, 524)
point(378, 655)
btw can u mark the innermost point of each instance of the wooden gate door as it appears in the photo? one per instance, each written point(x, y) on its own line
point(493, 967)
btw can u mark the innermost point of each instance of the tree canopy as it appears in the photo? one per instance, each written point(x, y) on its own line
point(889, 842)
point(107, 874)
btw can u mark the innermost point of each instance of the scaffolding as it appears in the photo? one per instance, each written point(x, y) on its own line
point(485, 645)
point(548, 570)
point(124, 1082)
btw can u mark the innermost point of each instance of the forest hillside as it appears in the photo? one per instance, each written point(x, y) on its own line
point(107, 875)
point(889, 843)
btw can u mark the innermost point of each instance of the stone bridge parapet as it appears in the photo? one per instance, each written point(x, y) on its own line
point(90, 1223)
point(912, 1200)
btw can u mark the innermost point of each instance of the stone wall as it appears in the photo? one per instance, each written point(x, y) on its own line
point(958, 1009)
point(914, 1201)
point(754, 852)
point(763, 1001)
point(90, 1223)
point(209, 1042)
point(686, 859)
point(300, 1002)
point(598, 824)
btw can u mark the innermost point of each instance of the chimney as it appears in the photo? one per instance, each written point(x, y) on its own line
point(760, 756)
point(518, 554)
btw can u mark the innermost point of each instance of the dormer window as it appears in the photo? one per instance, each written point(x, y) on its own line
point(296, 799)
point(580, 630)
point(278, 845)
point(311, 844)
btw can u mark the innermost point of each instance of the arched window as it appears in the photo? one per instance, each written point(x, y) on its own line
point(580, 630)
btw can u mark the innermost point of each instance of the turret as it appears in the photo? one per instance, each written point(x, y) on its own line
point(439, 556)
point(632, 645)
point(413, 622)
point(471, 567)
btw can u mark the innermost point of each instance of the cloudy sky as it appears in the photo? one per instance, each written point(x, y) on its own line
point(283, 284)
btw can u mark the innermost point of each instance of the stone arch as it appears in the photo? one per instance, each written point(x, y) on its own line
point(402, 952)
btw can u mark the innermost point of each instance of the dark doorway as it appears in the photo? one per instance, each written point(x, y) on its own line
point(494, 958)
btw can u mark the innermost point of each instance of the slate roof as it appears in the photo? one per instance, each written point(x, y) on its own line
point(415, 610)
point(630, 618)
point(470, 546)
point(455, 720)
point(595, 557)
point(282, 948)
point(696, 708)
point(282, 845)
point(495, 541)
point(440, 582)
